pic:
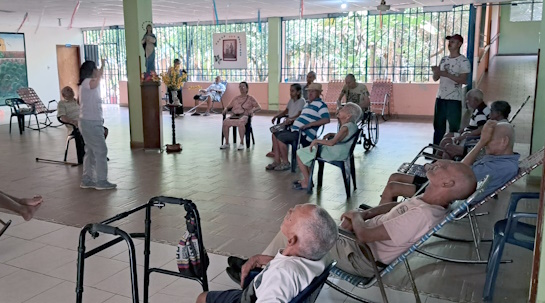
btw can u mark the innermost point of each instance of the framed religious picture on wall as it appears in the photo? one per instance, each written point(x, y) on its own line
point(13, 69)
point(230, 50)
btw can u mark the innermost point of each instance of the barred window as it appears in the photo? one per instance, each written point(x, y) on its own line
point(192, 44)
point(525, 11)
point(399, 46)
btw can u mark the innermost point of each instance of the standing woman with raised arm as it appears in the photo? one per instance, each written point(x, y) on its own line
point(95, 165)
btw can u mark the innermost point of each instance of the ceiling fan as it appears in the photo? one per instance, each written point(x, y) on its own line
point(384, 7)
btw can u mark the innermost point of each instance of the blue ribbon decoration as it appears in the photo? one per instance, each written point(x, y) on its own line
point(259, 20)
point(215, 11)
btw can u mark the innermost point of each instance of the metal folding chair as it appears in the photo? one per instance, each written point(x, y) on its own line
point(366, 282)
point(525, 167)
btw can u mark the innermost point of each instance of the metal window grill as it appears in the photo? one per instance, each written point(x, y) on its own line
point(192, 44)
point(399, 46)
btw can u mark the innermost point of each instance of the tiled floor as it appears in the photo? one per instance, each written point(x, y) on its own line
point(40, 268)
point(241, 204)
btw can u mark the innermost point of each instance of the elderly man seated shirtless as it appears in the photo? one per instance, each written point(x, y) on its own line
point(500, 163)
point(390, 229)
point(310, 232)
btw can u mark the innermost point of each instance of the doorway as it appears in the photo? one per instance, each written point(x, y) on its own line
point(68, 64)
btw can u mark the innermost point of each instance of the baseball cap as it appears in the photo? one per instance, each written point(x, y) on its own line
point(455, 37)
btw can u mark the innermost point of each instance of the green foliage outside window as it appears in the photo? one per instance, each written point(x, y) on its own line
point(399, 46)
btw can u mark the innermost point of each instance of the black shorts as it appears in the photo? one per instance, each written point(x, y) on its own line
point(227, 296)
point(288, 137)
point(419, 181)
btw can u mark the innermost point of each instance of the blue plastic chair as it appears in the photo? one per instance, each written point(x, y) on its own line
point(340, 164)
point(310, 293)
point(511, 231)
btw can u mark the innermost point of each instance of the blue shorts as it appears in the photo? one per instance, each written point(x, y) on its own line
point(226, 296)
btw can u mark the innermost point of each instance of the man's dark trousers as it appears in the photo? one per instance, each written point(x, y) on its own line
point(446, 110)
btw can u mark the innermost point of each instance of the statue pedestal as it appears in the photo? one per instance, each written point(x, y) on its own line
point(151, 115)
point(174, 147)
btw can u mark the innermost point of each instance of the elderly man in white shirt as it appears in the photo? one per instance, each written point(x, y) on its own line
point(311, 233)
point(212, 94)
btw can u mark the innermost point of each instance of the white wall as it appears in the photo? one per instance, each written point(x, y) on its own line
point(41, 56)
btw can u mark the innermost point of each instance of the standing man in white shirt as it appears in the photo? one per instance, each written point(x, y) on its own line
point(452, 74)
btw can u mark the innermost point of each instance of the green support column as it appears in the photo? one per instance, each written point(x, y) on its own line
point(538, 139)
point(274, 59)
point(135, 13)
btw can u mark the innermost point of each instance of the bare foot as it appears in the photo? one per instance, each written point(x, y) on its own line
point(28, 211)
point(31, 201)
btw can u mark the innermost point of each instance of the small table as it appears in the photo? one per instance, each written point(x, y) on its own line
point(174, 147)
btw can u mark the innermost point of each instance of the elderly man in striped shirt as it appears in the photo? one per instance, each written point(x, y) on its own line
point(313, 115)
point(453, 143)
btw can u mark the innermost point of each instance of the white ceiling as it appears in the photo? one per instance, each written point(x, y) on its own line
point(92, 13)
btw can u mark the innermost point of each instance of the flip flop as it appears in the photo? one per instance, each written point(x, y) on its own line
point(296, 182)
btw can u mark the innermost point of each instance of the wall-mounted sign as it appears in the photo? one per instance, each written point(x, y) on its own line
point(230, 51)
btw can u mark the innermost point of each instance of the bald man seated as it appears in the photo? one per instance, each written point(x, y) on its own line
point(310, 232)
point(500, 162)
point(390, 229)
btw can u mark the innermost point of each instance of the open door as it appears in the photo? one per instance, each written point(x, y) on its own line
point(68, 64)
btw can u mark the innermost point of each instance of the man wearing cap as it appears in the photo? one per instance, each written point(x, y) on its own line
point(313, 115)
point(452, 74)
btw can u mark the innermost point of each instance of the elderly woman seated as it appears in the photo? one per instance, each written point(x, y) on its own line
point(242, 106)
point(335, 146)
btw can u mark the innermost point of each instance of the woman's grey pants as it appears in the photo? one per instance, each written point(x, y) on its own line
point(95, 165)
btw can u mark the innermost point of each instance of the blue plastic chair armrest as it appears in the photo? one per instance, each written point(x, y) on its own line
point(516, 197)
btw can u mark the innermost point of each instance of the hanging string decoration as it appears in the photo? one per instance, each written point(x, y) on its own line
point(24, 20)
point(73, 15)
point(259, 20)
point(102, 30)
point(301, 9)
point(39, 20)
point(215, 12)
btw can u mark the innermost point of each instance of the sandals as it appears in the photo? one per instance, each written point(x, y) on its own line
point(283, 166)
point(272, 166)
